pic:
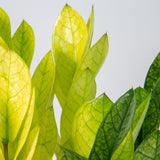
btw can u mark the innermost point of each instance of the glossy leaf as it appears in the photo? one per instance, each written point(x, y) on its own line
point(149, 149)
point(126, 149)
point(15, 84)
point(24, 42)
point(15, 146)
point(30, 145)
point(87, 121)
point(153, 74)
point(143, 100)
point(5, 28)
point(70, 155)
point(43, 80)
point(114, 127)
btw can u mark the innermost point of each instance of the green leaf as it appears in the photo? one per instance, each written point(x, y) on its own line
point(153, 74)
point(149, 149)
point(15, 146)
point(90, 28)
point(95, 56)
point(87, 121)
point(15, 84)
point(30, 145)
point(143, 100)
point(152, 119)
point(5, 28)
point(1, 152)
point(114, 127)
point(83, 89)
point(43, 80)
point(47, 136)
point(126, 149)
point(24, 42)
point(70, 34)
point(68, 43)
point(70, 155)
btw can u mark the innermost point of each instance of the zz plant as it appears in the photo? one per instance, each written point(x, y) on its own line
point(91, 128)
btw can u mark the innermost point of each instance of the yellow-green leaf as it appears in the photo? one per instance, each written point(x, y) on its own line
point(126, 149)
point(5, 27)
point(70, 34)
point(15, 92)
point(1, 152)
point(47, 136)
point(15, 147)
point(87, 121)
point(30, 145)
point(24, 42)
point(43, 80)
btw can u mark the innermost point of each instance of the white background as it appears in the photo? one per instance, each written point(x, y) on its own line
point(133, 27)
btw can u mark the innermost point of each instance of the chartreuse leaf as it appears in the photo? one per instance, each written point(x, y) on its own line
point(15, 146)
point(1, 152)
point(114, 127)
point(149, 149)
point(126, 149)
point(30, 145)
point(95, 56)
point(5, 27)
point(15, 84)
point(143, 100)
point(87, 121)
point(47, 136)
point(83, 89)
point(152, 118)
point(70, 155)
point(43, 80)
point(153, 74)
point(24, 42)
point(68, 42)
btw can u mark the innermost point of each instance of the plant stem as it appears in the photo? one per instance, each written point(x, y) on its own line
point(5, 146)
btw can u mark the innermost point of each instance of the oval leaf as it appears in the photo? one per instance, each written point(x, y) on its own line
point(24, 42)
point(15, 91)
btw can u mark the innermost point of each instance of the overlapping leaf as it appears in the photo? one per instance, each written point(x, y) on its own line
point(87, 121)
point(15, 146)
point(30, 145)
point(15, 84)
point(114, 127)
point(24, 42)
point(149, 149)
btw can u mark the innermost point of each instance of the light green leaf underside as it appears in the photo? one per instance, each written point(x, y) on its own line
point(143, 100)
point(47, 136)
point(70, 34)
point(83, 89)
point(70, 155)
point(24, 42)
point(149, 149)
point(126, 149)
point(153, 74)
point(30, 145)
point(15, 147)
point(114, 127)
point(87, 121)
point(43, 80)
point(5, 27)
point(15, 84)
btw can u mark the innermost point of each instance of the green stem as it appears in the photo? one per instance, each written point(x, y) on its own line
point(5, 146)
